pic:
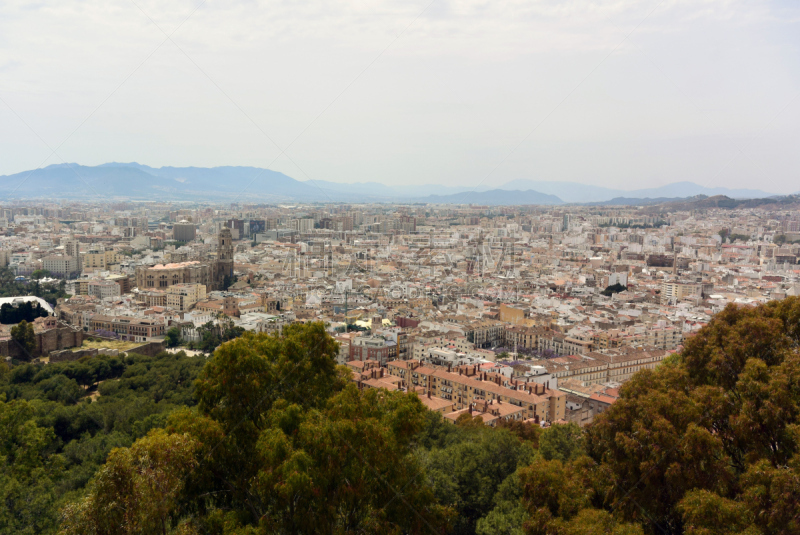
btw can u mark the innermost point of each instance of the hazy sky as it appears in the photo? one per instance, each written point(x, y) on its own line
point(615, 93)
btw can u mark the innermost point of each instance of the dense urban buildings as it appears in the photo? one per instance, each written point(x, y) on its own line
point(530, 313)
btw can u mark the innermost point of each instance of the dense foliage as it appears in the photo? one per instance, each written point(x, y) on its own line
point(781, 239)
point(280, 441)
point(211, 335)
point(24, 335)
point(25, 311)
point(614, 289)
point(12, 288)
point(58, 423)
point(707, 443)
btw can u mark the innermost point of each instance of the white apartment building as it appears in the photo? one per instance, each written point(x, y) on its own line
point(103, 289)
point(61, 265)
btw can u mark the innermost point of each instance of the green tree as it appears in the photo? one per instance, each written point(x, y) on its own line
point(27, 311)
point(717, 420)
point(562, 442)
point(12, 288)
point(706, 513)
point(40, 274)
point(508, 515)
point(27, 489)
point(467, 473)
point(315, 455)
point(338, 470)
point(39, 475)
point(614, 289)
point(173, 337)
point(561, 498)
point(23, 334)
point(740, 237)
point(248, 373)
point(137, 490)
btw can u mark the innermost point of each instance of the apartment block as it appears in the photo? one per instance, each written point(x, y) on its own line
point(184, 296)
point(128, 328)
point(468, 386)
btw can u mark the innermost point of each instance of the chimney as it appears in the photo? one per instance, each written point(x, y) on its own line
point(470, 408)
point(429, 393)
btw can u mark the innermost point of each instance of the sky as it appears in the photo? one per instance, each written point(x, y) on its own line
point(620, 93)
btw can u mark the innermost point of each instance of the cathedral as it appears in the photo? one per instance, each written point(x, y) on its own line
point(216, 274)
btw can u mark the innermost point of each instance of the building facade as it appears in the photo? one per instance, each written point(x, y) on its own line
point(61, 266)
point(184, 296)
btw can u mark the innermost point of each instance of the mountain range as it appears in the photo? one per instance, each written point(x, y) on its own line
point(232, 183)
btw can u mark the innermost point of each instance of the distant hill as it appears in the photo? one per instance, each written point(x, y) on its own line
point(721, 201)
point(581, 193)
point(138, 181)
point(629, 201)
point(228, 183)
point(494, 197)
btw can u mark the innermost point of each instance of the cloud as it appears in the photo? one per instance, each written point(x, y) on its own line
point(450, 88)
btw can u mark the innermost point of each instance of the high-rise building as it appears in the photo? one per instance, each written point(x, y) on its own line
point(184, 231)
point(72, 247)
point(302, 225)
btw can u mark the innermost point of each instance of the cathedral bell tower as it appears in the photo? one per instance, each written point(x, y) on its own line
point(223, 265)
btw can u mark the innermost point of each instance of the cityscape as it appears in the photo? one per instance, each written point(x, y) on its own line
point(382, 267)
point(499, 321)
point(565, 302)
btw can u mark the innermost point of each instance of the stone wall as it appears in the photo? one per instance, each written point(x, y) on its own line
point(150, 349)
point(68, 356)
point(57, 339)
point(46, 342)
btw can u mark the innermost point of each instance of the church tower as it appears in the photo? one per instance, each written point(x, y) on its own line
point(225, 245)
point(223, 265)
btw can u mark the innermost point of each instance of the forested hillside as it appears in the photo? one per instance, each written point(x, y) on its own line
point(58, 423)
point(271, 437)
